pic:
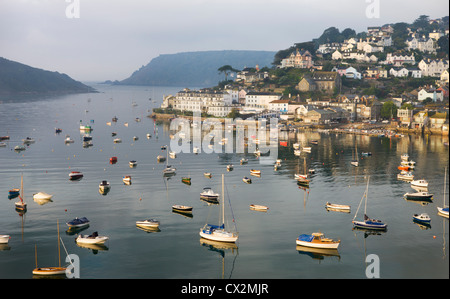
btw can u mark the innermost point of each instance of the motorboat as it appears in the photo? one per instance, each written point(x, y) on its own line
point(126, 179)
point(42, 196)
point(207, 174)
point(247, 180)
point(133, 163)
point(172, 155)
point(317, 240)
point(404, 157)
point(244, 161)
point(405, 175)
point(259, 208)
point(209, 194)
point(160, 158)
point(91, 239)
point(297, 152)
point(19, 148)
point(169, 170)
point(13, 193)
point(296, 146)
point(337, 207)
point(87, 137)
point(104, 187)
point(255, 171)
point(147, 223)
point(418, 195)
point(424, 218)
point(229, 167)
point(2, 144)
point(135, 138)
point(75, 175)
point(4, 239)
point(28, 140)
point(182, 208)
point(186, 180)
point(117, 140)
point(68, 140)
point(113, 160)
point(420, 183)
point(78, 222)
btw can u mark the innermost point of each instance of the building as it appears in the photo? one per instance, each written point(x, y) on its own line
point(398, 59)
point(433, 67)
point(299, 59)
point(423, 44)
point(279, 106)
point(320, 81)
point(401, 72)
point(434, 94)
point(260, 100)
point(405, 117)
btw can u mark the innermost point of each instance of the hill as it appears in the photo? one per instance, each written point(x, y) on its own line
point(20, 79)
point(195, 69)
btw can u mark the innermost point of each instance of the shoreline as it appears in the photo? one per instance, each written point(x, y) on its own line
point(357, 128)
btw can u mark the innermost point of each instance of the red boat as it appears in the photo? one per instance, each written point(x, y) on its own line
point(75, 175)
point(406, 168)
point(113, 160)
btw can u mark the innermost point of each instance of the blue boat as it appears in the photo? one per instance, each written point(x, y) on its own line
point(13, 193)
point(368, 223)
point(78, 222)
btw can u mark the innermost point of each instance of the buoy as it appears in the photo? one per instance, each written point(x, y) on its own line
point(434, 237)
point(140, 198)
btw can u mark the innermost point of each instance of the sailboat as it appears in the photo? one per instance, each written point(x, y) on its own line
point(302, 179)
point(50, 270)
point(355, 162)
point(218, 232)
point(444, 210)
point(169, 169)
point(367, 223)
point(21, 204)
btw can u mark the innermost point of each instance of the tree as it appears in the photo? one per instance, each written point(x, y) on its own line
point(388, 109)
point(227, 69)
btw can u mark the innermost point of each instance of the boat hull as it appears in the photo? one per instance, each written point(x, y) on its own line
point(219, 235)
point(4, 239)
point(86, 240)
point(370, 225)
point(443, 212)
point(324, 245)
point(50, 271)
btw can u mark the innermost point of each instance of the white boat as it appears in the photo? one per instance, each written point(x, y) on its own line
point(247, 180)
point(28, 140)
point(418, 195)
point(42, 196)
point(4, 239)
point(337, 207)
point(182, 208)
point(317, 240)
point(147, 223)
point(405, 157)
point(219, 232)
point(104, 187)
point(196, 150)
point(443, 211)
point(91, 239)
point(127, 179)
point(255, 171)
point(21, 205)
point(133, 163)
point(2, 144)
point(259, 207)
point(408, 163)
point(230, 167)
point(117, 140)
point(207, 174)
point(367, 223)
point(75, 175)
point(405, 175)
point(169, 169)
point(424, 217)
point(19, 148)
point(296, 146)
point(306, 149)
point(297, 152)
point(355, 161)
point(208, 193)
point(173, 155)
point(68, 140)
point(420, 183)
point(244, 161)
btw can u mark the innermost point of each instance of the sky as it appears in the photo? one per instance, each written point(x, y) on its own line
point(98, 40)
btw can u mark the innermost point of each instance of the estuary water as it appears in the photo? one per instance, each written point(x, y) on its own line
point(266, 248)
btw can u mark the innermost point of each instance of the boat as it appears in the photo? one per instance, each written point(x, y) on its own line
point(135, 138)
point(169, 170)
point(160, 158)
point(85, 127)
point(104, 187)
point(113, 160)
point(207, 174)
point(75, 175)
point(244, 161)
point(298, 176)
point(247, 180)
point(314, 142)
point(13, 193)
point(259, 208)
point(4, 239)
point(408, 163)
point(302, 179)
point(209, 194)
point(147, 223)
point(2, 144)
point(117, 140)
point(218, 232)
point(126, 179)
point(404, 168)
point(28, 140)
point(115, 118)
point(366, 154)
point(306, 149)
point(87, 137)
point(405, 175)
point(337, 207)
point(78, 222)
point(367, 223)
point(418, 195)
point(404, 157)
point(68, 140)
point(173, 155)
point(186, 180)
point(420, 183)
point(424, 218)
point(196, 150)
point(19, 148)
point(443, 211)
point(132, 163)
point(21, 204)
point(229, 167)
point(91, 239)
point(50, 270)
point(296, 146)
point(355, 161)
point(317, 240)
point(42, 196)
point(297, 152)
point(4, 137)
point(181, 208)
point(255, 171)
point(163, 147)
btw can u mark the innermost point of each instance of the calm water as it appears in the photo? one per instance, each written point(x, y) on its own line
point(266, 246)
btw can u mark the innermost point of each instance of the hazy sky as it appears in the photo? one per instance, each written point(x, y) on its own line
point(112, 38)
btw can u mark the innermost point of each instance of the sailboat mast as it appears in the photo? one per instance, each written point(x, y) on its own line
point(21, 189)
point(59, 249)
point(223, 201)
point(367, 191)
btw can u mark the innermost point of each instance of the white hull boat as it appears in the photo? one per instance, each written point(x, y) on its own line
point(317, 240)
point(42, 196)
point(338, 207)
point(259, 207)
point(4, 239)
point(147, 223)
point(91, 239)
point(420, 183)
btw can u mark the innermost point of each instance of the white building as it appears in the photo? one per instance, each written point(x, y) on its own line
point(422, 44)
point(433, 67)
point(435, 95)
point(399, 72)
point(260, 100)
point(279, 106)
point(398, 60)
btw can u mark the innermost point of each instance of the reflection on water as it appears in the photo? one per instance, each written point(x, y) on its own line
point(266, 244)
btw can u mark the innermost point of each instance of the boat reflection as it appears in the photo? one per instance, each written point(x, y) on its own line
point(75, 230)
point(94, 247)
point(422, 225)
point(149, 229)
point(318, 253)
